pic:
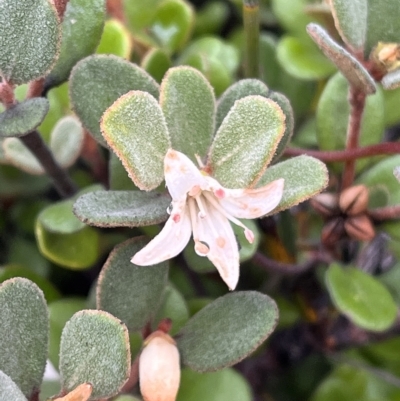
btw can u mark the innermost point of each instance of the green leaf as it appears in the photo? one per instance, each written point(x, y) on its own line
point(66, 141)
point(118, 177)
point(130, 292)
point(29, 39)
point(392, 111)
point(97, 81)
point(139, 14)
point(135, 121)
point(351, 21)
point(23, 333)
point(172, 24)
point(24, 117)
point(246, 141)
point(211, 17)
point(391, 80)
point(238, 90)
point(82, 26)
point(333, 113)
point(9, 390)
point(59, 313)
point(383, 23)
point(245, 320)
point(226, 385)
point(156, 62)
point(115, 40)
point(302, 59)
point(362, 298)
point(187, 101)
point(122, 208)
point(95, 349)
point(304, 177)
point(348, 65)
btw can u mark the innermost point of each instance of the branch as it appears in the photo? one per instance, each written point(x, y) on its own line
point(385, 213)
point(251, 22)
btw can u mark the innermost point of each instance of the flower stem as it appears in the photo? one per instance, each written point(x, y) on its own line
point(385, 213)
point(357, 104)
point(62, 182)
point(387, 148)
point(251, 22)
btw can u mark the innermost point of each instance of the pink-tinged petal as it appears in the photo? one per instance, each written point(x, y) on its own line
point(170, 241)
point(181, 175)
point(252, 203)
point(217, 241)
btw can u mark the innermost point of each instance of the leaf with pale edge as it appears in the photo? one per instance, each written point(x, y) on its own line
point(9, 391)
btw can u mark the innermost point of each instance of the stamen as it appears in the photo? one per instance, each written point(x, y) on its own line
point(199, 161)
point(201, 207)
point(214, 202)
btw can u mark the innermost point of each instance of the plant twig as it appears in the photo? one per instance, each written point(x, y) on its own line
point(61, 180)
point(385, 213)
point(387, 148)
point(251, 22)
point(7, 96)
point(35, 88)
point(357, 104)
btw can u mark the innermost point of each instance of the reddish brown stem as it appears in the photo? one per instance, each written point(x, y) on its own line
point(357, 104)
point(35, 88)
point(385, 213)
point(7, 96)
point(387, 148)
point(60, 5)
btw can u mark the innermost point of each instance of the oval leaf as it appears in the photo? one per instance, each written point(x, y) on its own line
point(29, 39)
point(95, 349)
point(245, 320)
point(187, 101)
point(392, 80)
point(82, 26)
point(23, 333)
point(97, 81)
point(130, 292)
point(362, 298)
point(246, 141)
point(304, 177)
point(24, 117)
point(20, 156)
point(9, 390)
point(134, 127)
point(156, 62)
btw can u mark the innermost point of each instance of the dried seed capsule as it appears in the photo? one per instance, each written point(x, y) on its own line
point(327, 204)
point(354, 200)
point(360, 227)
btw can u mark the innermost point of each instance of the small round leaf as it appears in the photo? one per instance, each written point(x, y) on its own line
point(9, 390)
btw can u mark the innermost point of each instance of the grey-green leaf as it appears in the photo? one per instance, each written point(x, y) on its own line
point(238, 90)
point(29, 39)
point(391, 80)
point(130, 292)
point(246, 141)
point(348, 65)
point(351, 21)
point(304, 177)
point(361, 297)
point(9, 390)
point(24, 329)
point(82, 26)
point(20, 156)
point(24, 117)
point(97, 81)
point(135, 128)
point(187, 101)
point(95, 349)
point(122, 208)
point(244, 321)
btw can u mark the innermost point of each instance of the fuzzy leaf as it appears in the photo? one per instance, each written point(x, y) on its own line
point(245, 320)
point(122, 208)
point(348, 65)
point(23, 333)
point(115, 40)
point(304, 177)
point(82, 26)
point(29, 39)
point(156, 62)
point(135, 128)
point(361, 297)
point(130, 292)
point(333, 114)
point(9, 390)
point(20, 156)
point(391, 80)
point(351, 21)
point(66, 141)
point(239, 90)
point(187, 101)
point(95, 349)
point(97, 81)
point(24, 117)
point(246, 141)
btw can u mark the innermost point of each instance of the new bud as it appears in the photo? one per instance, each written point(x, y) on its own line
point(159, 368)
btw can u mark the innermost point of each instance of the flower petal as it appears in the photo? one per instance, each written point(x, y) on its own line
point(170, 241)
point(181, 175)
point(252, 203)
point(215, 232)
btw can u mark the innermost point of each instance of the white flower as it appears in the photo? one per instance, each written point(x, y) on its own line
point(202, 206)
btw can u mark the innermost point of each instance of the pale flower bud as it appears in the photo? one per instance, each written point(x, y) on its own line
point(159, 368)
